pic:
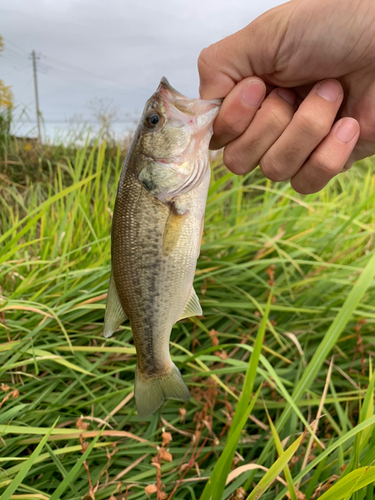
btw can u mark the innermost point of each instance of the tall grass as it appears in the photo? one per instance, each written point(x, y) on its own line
point(287, 289)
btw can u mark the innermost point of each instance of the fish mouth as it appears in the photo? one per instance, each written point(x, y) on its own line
point(200, 138)
point(196, 114)
point(177, 104)
point(166, 87)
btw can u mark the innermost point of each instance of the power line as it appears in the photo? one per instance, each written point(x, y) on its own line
point(14, 53)
point(54, 64)
point(65, 77)
point(72, 67)
point(21, 93)
point(15, 45)
point(9, 72)
point(84, 121)
point(11, 60)
point(76, 69)
point(16, 56)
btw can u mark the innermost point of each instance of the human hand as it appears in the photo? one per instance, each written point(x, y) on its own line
point(315, 114)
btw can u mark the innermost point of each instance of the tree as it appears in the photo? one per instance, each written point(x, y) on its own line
point(6, 106)
point(6, 94)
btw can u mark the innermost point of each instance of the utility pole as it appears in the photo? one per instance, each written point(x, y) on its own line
point(34, 58)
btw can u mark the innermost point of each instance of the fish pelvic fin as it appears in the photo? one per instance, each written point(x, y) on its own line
point(114, 313)
point(192, 306)
point(150, 393)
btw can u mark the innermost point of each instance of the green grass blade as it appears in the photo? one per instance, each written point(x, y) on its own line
point(251, 372)
point(353, 482)
point(280, 451)
point(370, 422)
point(326, 345)
point(69, 478)
point(25, 467)
point(275, 470)
point(258, 237)
point(215, 486)
point(334, 332)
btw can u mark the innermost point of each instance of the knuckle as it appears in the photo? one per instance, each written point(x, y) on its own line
point(229, 126)
point(204, 59)
point(313, 125)
point(208, 59)
point(326, 165)
point(273, 170)
point(278, 118)
point(322, 164)
point(232, 159)
point(237, 161)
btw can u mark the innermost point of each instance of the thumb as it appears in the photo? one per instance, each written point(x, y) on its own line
point(250, 51)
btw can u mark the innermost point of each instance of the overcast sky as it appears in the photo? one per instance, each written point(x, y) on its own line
point(115, 50)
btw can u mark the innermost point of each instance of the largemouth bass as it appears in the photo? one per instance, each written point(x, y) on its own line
point(156, 235)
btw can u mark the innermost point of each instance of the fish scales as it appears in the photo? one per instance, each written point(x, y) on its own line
point(156, 235)
point(139, 265)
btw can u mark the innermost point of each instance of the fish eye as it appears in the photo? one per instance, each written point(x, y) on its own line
point(152, 120)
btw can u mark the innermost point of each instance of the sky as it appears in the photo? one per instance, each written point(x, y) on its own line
point(112, 52)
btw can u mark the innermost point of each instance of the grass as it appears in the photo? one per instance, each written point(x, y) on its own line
point(287, 290)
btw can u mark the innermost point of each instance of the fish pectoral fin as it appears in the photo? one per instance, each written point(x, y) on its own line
point(192, 306)
point(173, 227)
point(114, 313)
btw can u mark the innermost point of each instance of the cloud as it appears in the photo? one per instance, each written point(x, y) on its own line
point(114, 50)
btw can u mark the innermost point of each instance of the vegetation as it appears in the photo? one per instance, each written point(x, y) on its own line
point(6, 95)
point(6, 105)
point(280, 367)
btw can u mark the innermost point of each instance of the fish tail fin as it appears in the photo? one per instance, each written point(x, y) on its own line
point(151, 393)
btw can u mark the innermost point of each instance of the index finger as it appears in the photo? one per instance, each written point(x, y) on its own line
point(213, 82)
point(223, 64)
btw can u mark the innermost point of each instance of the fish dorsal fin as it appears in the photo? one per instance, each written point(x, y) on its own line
point(192, 306)
point(173, 227)
point(114, 313)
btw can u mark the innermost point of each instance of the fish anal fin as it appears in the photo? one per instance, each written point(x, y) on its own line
point(114, 313)
point(192, 306)
point(173, 227)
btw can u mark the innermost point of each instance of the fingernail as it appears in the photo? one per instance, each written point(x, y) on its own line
point(347, 130)
point(253, 92)
point(287, 95)
point(330, 90)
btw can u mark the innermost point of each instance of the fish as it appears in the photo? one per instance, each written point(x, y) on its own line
point(156, 234)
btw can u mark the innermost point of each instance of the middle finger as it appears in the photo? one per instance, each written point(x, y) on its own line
point(310, 125)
